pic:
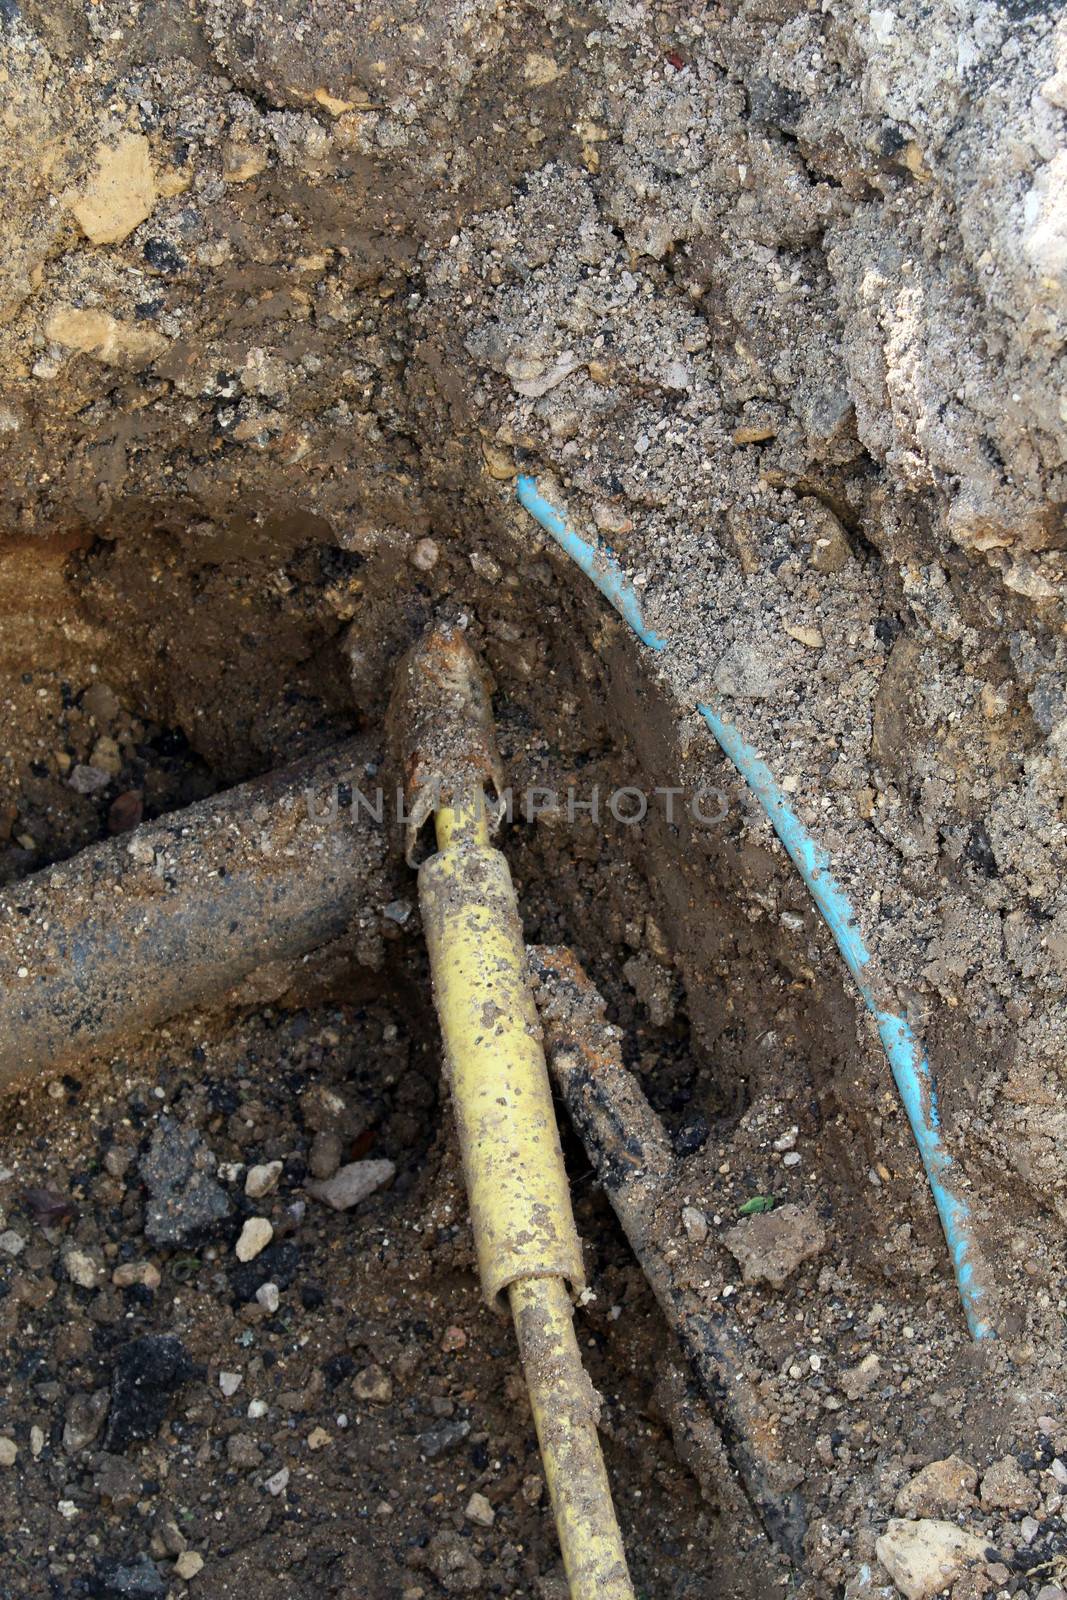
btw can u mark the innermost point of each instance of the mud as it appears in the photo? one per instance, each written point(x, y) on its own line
point(772, 298)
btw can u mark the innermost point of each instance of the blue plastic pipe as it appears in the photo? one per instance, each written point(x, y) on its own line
point(907, 1059)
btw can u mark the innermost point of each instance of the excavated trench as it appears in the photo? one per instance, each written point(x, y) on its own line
point(174, 659)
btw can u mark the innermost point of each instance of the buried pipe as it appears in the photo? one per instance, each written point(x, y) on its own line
point(138, 928)
point(907, 1059)
point(529, 1256)
point(635, 1165)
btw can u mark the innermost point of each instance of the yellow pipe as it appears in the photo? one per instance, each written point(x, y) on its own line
point(526, 1241)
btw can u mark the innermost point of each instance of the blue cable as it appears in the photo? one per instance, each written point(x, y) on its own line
point(907, 1059)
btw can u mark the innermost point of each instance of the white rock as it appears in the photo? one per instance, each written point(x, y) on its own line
point(262, 1180)
point(924, 1557)
point(269, 1297)
point(8, 1452)
point(480, 1511)
point(349, 1185)
point(255, 1236)
point(257, 1409)
point(695, 1224)
point(12, 1243)
point(188, 1564)
point(81, 1269)
point(278, 1484)
point(229, 1383)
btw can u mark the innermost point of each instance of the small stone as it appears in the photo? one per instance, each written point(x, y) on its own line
point(184, 1200)
point(318, 1439)
point(145, 1273)
point(695, 1224)
point(37, 1441)
point(325, 1154)
point(374, 1384)
point(1005, 1487)
point(425, 555)
point(257, 1409)
point(120, 193)
point(860, 1380)
point(441, 1441)
point(243, 1453)
point(87, 780)
point(12, 1243)
point(263, 1180)
point(142, 851)
point(480, 1511)
point(255, 1236)
point(126, 811)
point(116, 344)
point(922, 1558)
point(532, 1489)
point(241, 162)
point(229, 1383)
point(831, 550)
point(1029, 1528)
point(939, 1487)
point(81, 1269)
point(351, 1184)
point(188, 1564)
point(117, 1161)
point(84, 1420)
point(755, 432)
point(269, 1297)
point(278, 1484)
point(8, 1451)
point(1058, 1470)
point(773, 1244)
point(453, 1339)
point(806, 634)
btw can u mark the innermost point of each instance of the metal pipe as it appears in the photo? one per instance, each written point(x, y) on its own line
point(524, 1233)
point(632, 1157)
point(133, 930)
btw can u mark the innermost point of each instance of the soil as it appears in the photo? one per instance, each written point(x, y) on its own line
point(771, 297)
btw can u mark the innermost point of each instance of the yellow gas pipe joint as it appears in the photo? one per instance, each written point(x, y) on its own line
point(526, 1242)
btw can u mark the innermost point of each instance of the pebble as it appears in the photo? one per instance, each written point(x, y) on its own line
point(695, 1224)
point(88, 780)
point(243, 1453)
point(924, 1557)
point(189, 1564)
point(351, 1184)
point(325, 1156)
point(81, 1269)
point(255, 1236)
point(269, 1297)
point(480, 1511)
point(1005, 1487)
point(1029, 1528)
point(373, 1383)
point(440, 1441)
point(257, 1409)
point(773, 1244)
point(8, 1451)
point(318, 1438)
point(262, 1180)
point(229, 1383)
point(1058, 1470)
point(84, 1420)
point(941, 1486)
point(37, 1441)
point(12, 1243)
point(184, 1200)
point(145, 1273)
point(425, 555)
point(278, 1484)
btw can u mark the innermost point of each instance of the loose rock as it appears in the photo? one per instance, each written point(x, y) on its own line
point(351, 1184)
point(772, 1245)
point(923, 1557)
point(255, 1236)
point(1005, 1487)
point(184, 1200)
point(941, 1486)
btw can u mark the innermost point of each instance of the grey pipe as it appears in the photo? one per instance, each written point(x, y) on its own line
point(173, 915)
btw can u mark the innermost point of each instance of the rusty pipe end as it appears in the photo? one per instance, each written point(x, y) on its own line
point(440, 728)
